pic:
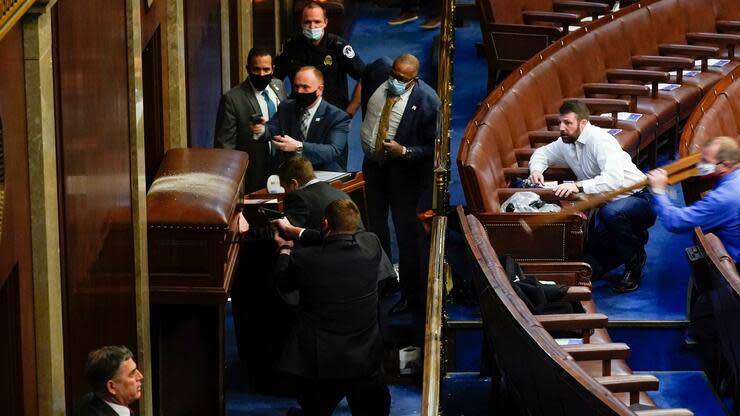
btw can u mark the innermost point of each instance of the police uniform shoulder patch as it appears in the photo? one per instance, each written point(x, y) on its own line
point(348, 51)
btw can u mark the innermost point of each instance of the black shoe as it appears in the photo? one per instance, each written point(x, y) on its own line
point(402, 306)
point(630, 280)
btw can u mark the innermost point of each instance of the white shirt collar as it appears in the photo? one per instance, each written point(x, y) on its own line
point(586, 134)
point(309, 183)
point(119, 409)
point(312, 110)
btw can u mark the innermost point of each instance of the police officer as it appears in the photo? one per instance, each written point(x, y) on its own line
point(331, 54)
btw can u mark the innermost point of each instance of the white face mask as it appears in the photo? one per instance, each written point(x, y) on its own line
point(704, 169)
point(313, 34)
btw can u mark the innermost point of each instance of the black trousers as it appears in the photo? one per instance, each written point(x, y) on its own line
point(365, 396)
point(392, 185)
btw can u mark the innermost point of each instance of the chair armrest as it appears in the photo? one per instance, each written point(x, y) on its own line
point(604, 105)
point(552, 173)
point(565, 19)
point(640, 75)
point(523, 154)
point(665, 412)
point(723, 39)
point(728, 25)
point(594, 9)
point(602, 352)
point(692, 51)
point(632, 384)
point(551, 31)
point(577, 294)
point(665, 63)
point(569, 273)
point(542, 137)
point(601, 121)
point(633, 91)
point(572, 321)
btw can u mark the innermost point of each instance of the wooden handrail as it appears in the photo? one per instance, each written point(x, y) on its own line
point(10, 12)
point(438, 270)
point(433, 332)
point(440, 197)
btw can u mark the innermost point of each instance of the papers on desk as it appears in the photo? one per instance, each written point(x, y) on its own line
point(574, 28)
point(259, 201)
point(326, 176)
point(716, 63)
point(549, 184)
point(625, 116)
point(614, 132)
point(686, 74)
point(569, 341)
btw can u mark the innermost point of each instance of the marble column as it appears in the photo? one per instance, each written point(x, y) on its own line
point(176, 93)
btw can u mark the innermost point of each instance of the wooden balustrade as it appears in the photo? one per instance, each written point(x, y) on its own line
point(10, 12)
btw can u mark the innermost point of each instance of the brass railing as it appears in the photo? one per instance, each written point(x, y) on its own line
point(434, 355)
point(10, 12)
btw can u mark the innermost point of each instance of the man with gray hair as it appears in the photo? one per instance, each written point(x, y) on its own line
point(718, 211)
point(115, 381)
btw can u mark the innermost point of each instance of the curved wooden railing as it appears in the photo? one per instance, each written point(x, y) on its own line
point(10, 12)
point(435, 321)
point(687, 145)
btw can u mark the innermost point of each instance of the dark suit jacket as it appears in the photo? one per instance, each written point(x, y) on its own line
point(233, 132)
point(326, 142)
point(418, 127)
point(337, 335)
point(92, 405)
point(305, 207)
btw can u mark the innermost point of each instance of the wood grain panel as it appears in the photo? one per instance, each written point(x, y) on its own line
point(17, 352)
point(94, 175)
point(203, 61)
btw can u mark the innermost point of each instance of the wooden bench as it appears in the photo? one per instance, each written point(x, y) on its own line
point(515, 30)
point(543, 377)
point(718, 114)
point(604, 65)
point(718, 276)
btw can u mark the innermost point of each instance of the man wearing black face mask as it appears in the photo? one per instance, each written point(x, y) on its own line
point(259, 95)
point(308, 126)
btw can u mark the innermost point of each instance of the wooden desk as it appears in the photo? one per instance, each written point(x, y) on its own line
point(354, 186)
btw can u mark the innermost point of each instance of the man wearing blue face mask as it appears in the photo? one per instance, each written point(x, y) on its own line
point(718, 211)
point(331, 54)
point(399, 126)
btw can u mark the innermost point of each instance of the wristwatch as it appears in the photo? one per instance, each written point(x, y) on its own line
point(299, 148)
point(579, 186)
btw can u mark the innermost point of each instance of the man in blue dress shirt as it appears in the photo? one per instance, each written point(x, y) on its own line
point(719, 211)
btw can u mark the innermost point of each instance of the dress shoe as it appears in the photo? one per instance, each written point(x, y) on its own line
point(402, 306)
point(630, 280)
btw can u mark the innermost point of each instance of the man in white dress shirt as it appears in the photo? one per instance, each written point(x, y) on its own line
point(115, 380)
point(619, 232)
point(399, 126)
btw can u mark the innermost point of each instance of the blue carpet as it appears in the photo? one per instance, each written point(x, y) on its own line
point(658, 349)
point(466, 394)
point(662, 293)
point(688, 389)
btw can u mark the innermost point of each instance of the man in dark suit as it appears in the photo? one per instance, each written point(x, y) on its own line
point(399, 126)
point(306, 197)
point(115, 381)
point(335, 348)
point(258, 96)
point(308, 126)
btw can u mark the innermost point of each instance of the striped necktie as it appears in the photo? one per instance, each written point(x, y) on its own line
point(305, 122)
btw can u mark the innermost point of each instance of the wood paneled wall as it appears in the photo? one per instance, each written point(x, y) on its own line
point(94, 179)
point(203, 60)
point(17, 345)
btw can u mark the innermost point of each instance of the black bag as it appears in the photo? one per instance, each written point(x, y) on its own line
point(540, 299)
